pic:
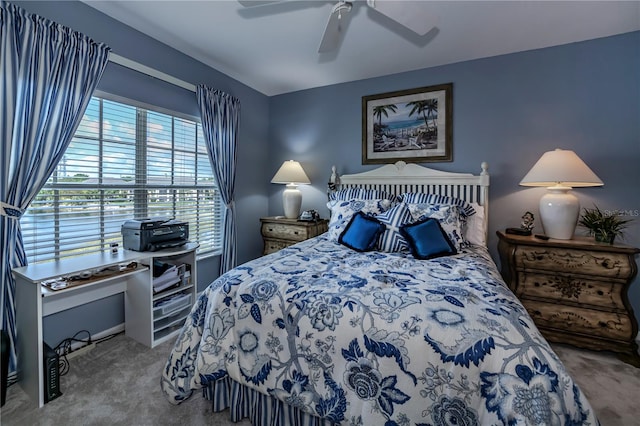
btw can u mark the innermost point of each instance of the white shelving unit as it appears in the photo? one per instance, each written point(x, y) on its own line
point(150, 318)
point(153, 318)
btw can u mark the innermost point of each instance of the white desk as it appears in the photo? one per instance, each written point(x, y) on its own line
point(34, 301)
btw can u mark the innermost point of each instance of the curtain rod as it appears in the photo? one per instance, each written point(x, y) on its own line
point(137, 66)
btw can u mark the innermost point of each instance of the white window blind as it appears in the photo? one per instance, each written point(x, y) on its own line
point(124, 162)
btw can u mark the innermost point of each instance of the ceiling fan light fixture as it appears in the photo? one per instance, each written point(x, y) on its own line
point(342, 6)
point(336, 26)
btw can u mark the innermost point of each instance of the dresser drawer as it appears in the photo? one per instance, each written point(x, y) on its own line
point(609, 325)
point(603, 264)
point(567, 288)
point(285, 231)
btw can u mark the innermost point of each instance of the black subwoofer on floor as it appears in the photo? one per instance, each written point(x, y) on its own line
point(5, 347)
point(51, 366)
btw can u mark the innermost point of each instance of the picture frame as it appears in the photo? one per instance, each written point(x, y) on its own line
point(414, 125)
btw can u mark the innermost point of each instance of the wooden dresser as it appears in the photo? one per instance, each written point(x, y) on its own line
point(279, 232)
point(575, 290)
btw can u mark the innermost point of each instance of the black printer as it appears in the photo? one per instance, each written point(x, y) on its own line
point(151, 234)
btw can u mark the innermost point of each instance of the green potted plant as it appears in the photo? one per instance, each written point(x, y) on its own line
point(604, 226)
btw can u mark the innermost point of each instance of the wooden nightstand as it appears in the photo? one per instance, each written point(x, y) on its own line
point(279, 232)
point(575, 290)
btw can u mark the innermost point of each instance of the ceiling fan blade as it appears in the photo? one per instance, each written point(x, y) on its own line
point(411, 14)
point(256, 9)
point(336, 26)
point(254, 3)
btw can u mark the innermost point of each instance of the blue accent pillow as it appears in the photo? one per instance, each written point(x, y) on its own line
point(450, 217)
point(427, 239)
point(343, 211)
point(362, 232)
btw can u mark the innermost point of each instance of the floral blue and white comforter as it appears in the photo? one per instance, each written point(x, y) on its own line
point(376, 338)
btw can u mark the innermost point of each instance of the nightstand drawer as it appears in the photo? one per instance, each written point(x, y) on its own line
point(566, 288)
point(608, 325)
point(614, 265)
point(272, 246)
point(285, 231)
point(279, 232)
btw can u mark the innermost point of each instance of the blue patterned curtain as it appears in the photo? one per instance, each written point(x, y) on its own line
point(48, 75)
point(220, 114)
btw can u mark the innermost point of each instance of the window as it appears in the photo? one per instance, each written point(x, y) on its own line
point(124, 162)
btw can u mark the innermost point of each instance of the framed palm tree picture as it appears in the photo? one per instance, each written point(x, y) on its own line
point(412, 125)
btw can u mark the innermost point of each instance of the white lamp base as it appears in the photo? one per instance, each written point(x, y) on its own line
point(292, 200)
point(559, 211)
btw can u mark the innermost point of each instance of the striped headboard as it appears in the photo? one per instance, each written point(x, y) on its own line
point(402, 177)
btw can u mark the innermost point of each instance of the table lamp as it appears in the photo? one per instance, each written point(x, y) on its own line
point(560, 170)
point(291, 174)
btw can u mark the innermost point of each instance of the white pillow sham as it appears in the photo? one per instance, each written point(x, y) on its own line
point(421, 198)
point(474, 231)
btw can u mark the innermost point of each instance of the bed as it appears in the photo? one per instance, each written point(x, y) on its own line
point(403, 323)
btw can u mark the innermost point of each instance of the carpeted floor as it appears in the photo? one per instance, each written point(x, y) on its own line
point(117, 383)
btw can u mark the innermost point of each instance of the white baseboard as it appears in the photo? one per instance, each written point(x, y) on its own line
point(113, 330)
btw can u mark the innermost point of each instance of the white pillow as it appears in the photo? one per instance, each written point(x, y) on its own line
point(343, 211)
point(474, 231)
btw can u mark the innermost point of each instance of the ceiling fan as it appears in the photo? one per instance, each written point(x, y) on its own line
point(410, 14)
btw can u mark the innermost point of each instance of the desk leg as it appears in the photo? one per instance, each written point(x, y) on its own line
point(29, 339)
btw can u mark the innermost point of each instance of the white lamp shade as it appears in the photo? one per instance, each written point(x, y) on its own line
point(560, 167)
point(559, 171)
point(291, 174)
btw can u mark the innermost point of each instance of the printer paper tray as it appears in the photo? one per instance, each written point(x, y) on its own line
point(166, 244)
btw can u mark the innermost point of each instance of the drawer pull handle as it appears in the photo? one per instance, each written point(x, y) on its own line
point(537, 312)
point(295, 232)
point(600, 292)
point(602, 324)
point(270, 229)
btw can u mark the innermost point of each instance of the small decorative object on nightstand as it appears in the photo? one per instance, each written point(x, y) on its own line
point(528, 223)
point(575, 290)
point(280, 232)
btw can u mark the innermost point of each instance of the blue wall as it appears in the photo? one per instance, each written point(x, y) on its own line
point(507, 110)
point(251, 186)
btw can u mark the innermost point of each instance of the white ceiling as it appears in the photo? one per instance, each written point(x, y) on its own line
point(273, 48)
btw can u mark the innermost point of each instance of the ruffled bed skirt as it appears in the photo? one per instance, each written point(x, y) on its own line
point(260, 409)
